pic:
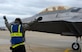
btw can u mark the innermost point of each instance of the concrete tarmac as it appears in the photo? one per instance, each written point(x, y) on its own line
point(40, 42)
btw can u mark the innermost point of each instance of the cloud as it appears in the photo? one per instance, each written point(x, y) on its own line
point(26, 8)
point(30, 7)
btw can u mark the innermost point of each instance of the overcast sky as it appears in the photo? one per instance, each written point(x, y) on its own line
point(27, 8)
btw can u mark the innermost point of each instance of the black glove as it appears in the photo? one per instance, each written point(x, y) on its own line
point(11, 48)
point(4, 17)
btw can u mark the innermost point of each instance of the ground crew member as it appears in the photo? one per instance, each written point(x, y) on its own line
point(17, 31)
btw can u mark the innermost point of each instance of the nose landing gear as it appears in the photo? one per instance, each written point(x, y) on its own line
point(76, 45)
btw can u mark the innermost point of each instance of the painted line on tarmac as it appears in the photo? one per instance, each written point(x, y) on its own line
point(67, 50)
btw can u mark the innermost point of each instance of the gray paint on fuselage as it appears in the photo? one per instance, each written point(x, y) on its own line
point(64, 15)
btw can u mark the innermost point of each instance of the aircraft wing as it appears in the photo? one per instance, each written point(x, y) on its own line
point(58, 27)
point(66, 28)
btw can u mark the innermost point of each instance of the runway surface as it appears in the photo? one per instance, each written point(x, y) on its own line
point(41, 42)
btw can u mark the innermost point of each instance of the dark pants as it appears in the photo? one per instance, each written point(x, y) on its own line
point(20, 48)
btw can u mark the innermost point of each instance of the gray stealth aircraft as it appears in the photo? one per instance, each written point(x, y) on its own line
point(65, 22)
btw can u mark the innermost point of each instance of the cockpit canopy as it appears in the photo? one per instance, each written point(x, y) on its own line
point(55, 8)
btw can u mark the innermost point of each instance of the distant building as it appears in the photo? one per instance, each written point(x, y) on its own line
point(3, 29)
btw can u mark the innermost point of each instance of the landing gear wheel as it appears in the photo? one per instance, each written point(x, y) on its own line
point(75, 46)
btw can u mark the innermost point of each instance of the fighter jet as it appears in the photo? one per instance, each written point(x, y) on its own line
point(60, 20)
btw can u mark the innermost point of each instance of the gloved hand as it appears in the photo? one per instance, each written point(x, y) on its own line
point(4, 17)
point(11, 48)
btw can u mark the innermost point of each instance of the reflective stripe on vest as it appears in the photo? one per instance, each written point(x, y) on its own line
point(14, 46)
point(16, 34)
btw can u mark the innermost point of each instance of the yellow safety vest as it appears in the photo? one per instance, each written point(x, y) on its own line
point(16, 34)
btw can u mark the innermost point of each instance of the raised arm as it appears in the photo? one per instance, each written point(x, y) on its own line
point(27, 26)
point(6, 23)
